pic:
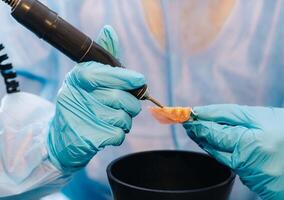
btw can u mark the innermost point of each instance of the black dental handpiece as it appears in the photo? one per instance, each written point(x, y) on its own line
point(47, 25)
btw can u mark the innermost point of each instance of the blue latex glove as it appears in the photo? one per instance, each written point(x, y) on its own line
point(93, 109)
point(250, 140)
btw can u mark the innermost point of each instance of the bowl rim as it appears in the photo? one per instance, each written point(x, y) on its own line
point(110, 175)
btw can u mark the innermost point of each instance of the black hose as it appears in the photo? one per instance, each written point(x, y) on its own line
point(12, 3)
point(8, 73)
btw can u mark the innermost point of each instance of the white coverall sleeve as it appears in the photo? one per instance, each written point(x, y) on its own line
point(25, 169)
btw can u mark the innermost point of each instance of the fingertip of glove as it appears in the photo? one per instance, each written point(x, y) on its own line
point(136, 110)
point(139, 80)
point(109, 32)
point(108, 39)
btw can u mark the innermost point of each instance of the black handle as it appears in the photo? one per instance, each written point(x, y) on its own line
point(46, 24)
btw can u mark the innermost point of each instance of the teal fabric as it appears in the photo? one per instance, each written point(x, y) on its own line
point(248, 139)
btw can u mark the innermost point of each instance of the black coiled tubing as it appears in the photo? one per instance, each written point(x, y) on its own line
point(8, 73)
point(12, 3)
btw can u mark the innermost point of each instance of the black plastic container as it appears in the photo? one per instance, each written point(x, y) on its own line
point(169, 175)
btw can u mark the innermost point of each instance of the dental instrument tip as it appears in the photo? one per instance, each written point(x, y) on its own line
point(154, 101)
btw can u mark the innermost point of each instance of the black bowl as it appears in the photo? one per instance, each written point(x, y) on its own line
point(169, 175)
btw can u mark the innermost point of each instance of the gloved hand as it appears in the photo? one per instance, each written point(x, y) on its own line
point(93, 109)
point(250, 140)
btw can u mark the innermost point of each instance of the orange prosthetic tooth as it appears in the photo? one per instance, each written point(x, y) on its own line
point(171, 115)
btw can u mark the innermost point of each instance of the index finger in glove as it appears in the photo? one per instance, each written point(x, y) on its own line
point(231, 114)
point(91, 75)
point(118, 99)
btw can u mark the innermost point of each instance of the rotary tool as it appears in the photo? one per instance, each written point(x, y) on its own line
point(49, 26)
